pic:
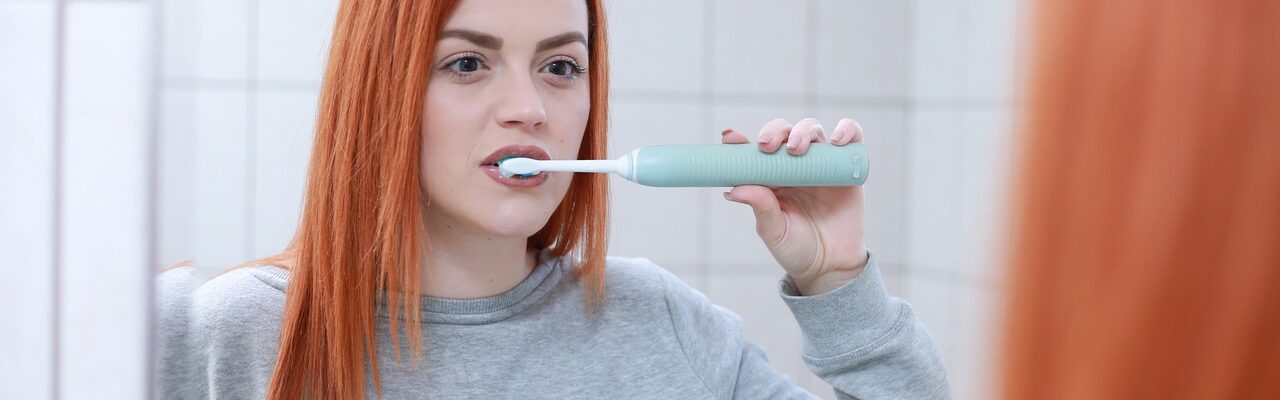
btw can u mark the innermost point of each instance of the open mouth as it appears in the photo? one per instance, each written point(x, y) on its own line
point(491, 165)
point(497, 164)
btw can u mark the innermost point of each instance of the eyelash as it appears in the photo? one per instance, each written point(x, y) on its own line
point(575, 69)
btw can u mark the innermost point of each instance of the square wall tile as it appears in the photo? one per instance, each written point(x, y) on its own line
point(177, 136)
point(983, 201)
point(282, 152)
point(206, 39)
point(657, 46)
point(766, 319)
point(959, 188)
point(761, 47)
point(862, 48)
point(886, 189)
point(938, 48)
point(974, 363)
point(221, 182)
point(933, 217)
point(964, 49)
point(665, 225)
point(105, 281)
point(990, 47)
point(293, 39)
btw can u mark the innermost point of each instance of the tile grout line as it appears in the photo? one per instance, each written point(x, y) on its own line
point(251, 133)
point(153, 189)
point(909, 138)
point(812, 29)
point(60, 13)
point(704, 201)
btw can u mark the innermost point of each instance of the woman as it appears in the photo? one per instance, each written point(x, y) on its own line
point(407, 227)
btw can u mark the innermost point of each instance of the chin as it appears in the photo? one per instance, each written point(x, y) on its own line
point(517, 218)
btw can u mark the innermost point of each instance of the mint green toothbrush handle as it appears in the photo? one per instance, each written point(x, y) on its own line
point(719, 165)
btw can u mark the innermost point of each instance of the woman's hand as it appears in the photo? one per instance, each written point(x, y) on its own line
point(815, 233)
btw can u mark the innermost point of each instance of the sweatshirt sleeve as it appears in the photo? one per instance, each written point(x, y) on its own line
point(865, 343)
point(857, 338)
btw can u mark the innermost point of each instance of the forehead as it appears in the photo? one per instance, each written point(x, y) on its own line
point(520, 22)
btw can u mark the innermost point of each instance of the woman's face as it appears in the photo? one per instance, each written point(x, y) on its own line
point(504, 73)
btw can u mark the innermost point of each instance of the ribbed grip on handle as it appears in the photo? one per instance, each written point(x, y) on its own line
point(720, 165)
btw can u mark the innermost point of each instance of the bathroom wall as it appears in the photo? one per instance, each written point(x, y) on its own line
point(76, 123)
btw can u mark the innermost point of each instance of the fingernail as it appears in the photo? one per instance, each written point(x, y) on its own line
point(725, 132)
point(791, 145)
point(837, 136)
point(766, 138)
point(726, 196)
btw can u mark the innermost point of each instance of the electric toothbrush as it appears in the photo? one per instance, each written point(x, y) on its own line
point(717, 165)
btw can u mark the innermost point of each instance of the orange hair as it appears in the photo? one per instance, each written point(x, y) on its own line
point(361, 231)
point(1146, 256)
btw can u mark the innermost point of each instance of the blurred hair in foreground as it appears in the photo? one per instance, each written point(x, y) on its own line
point(1146, 255)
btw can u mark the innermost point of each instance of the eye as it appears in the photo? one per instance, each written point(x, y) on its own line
point(564, 67)
point(465, 64)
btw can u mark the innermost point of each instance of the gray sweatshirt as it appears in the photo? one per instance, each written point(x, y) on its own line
point(655, 338)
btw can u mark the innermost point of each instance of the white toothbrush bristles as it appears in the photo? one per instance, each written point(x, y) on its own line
point(518, 166)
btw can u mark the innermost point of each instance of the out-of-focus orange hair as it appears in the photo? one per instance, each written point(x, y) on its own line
point(1146, 256)
point(361, 231)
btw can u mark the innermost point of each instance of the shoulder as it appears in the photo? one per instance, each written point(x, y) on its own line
point(244, 297)
point(709, 335)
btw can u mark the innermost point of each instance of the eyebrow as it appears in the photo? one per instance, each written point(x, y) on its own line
point(494, 43)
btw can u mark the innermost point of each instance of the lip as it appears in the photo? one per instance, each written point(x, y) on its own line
point(527, 151)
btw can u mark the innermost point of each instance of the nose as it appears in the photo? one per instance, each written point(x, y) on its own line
point(521, 106)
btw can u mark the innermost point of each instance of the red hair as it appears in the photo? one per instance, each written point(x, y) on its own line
point(1146, 257)
point(361, 231)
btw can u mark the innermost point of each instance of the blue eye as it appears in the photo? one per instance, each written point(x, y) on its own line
point(465, 65)
point(564, 67)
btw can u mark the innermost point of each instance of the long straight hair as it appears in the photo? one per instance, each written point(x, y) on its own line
point(1146, 262)
point(361, 231)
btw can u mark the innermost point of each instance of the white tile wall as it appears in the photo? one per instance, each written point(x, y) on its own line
point(104, 300)
point(221, 158)
point(657, 46)
point(27, 82)
point(282, 148)
point(929, 80)
point(293, 39)
point(761, 47)
point(661, 224)
point(861, 50)
point(206, 39)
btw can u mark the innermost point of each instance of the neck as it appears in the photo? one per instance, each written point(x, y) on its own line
point(463, 264)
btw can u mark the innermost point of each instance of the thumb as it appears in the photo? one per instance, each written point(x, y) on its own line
point(770, 221)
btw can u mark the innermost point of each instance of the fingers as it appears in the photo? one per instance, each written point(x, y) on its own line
point(805, 131)
point(778, 133)
point(770, 137)
point(847, 131)
point(770, 220)
point(732, 137)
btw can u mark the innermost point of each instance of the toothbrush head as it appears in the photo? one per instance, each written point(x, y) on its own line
point(525, 167)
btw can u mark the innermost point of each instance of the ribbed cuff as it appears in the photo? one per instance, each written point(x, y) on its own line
point(843, 320)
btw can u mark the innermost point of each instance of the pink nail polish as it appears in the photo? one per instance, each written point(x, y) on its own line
point(766, 138)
